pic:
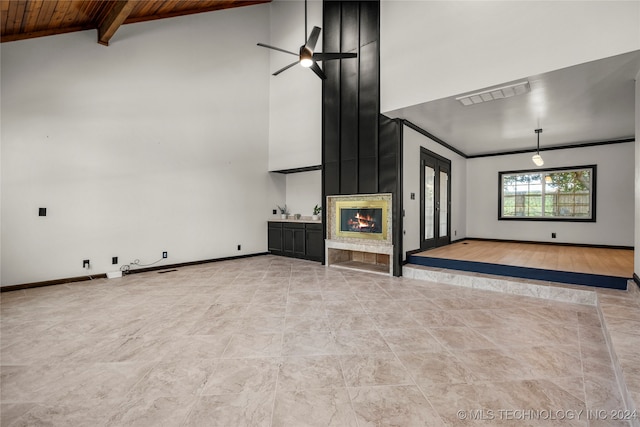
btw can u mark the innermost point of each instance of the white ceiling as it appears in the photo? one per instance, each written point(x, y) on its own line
point(590, 102)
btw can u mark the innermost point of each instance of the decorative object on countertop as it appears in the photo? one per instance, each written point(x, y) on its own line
point(297, 216)
point(316, 213)
point(284, 211)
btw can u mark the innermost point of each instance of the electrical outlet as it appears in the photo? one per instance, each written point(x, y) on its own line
point(275, 212)
point(42, 211)
point(165, 255)
point(114, 260)
point(239, 247)
point(553, 235)
point(86, 264)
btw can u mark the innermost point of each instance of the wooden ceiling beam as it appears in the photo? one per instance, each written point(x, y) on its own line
point(112, 21)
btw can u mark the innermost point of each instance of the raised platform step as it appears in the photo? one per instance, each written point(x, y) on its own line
point(509, 285)
point(567, 277)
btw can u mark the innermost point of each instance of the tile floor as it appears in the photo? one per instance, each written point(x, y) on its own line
point(272, 341)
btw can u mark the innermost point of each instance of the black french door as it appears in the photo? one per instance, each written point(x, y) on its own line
point(435, 200)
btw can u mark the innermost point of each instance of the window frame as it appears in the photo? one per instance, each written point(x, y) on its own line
point(592, 194)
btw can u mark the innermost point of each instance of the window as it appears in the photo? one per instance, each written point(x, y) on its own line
point(560, 194)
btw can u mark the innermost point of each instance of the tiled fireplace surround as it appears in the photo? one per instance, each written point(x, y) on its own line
point(359, 253)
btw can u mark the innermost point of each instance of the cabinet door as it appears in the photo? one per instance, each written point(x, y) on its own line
point(298, 242)
point(293, 239)
point(275, 237)
point(287, 240)
point(315, 242)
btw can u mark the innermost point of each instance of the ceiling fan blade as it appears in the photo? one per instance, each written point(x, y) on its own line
point(276, 48)
point(313, 39)
point(285, 68)
point(316, 69)
point(333, 55)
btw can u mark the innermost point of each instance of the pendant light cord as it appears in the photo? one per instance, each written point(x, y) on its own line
point(305, 21)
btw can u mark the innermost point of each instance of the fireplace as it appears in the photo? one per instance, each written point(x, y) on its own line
point(359, 232)
point(361, 219)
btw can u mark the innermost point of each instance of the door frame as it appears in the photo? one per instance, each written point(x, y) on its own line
point(440, 163)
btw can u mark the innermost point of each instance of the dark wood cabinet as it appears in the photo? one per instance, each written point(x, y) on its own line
point(293, 239)
point(296, 239)
point(274, 241)
point(314, 242)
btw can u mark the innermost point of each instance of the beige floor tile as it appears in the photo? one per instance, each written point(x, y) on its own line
point(303, 324)
point(437, 318)
point(320, 407)
point(393, 406)
point(307, 344)
point(350, 322)
point(152, 411)
point(360, 342)
point(254, 345)
point(460, 338)
point(310, 372)
point(232, 376)
point(374, 369)
point(174, 378)
point(248, 409)
point(436, 368)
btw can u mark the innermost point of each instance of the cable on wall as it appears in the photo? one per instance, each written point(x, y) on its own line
point(136, 263)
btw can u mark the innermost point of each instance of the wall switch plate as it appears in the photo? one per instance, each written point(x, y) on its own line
point(275, 211)
point(114, 260)
point(165, 255)
point(85, 263)
point(239, 247)
point(553, 235)
point(413, 196)
point(42, 211)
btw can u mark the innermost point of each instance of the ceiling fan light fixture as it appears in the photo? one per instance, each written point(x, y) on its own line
point(306, 57)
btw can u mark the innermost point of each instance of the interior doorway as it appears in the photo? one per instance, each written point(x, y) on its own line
point(435, 200)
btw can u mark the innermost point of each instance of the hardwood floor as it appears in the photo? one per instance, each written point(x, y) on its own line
point(605, 261)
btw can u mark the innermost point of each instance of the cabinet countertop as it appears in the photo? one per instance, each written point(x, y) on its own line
point(301, 220)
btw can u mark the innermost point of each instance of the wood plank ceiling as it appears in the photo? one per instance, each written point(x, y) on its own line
point(25, 19)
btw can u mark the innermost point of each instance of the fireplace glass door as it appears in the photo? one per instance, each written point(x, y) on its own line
point(435, 200)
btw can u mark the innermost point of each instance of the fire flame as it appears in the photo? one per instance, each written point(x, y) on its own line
point(362, 221)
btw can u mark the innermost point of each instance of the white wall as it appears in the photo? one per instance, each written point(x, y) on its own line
point(412, 141)
point(300, 191)
point(158, 142)
point(614, 204)
point(304, 191)
point(459, 46)
point(295, 104)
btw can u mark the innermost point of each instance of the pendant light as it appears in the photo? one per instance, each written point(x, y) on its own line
point(536, 157)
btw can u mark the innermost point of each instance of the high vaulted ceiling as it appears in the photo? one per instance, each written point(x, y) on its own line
point(25, 19)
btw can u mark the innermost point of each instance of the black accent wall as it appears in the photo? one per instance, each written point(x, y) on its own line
point(361, 149)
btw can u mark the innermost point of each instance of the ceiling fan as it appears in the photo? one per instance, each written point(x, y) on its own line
point(306, 56)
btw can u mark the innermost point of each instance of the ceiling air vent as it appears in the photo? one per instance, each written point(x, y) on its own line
point(495, 93)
